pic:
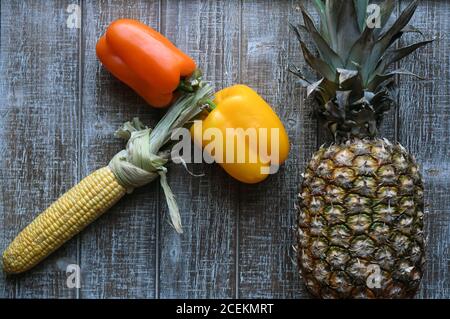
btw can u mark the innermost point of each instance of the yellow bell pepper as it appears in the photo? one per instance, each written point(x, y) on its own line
point(243, 134)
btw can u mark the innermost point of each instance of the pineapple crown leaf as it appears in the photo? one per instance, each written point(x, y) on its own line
point(317, 64)
point(392, 56)
point(386, 9)
point(353, 62)
point(326, 52)
point(361, 12)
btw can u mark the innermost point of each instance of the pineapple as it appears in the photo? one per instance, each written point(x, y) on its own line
point(360, 211)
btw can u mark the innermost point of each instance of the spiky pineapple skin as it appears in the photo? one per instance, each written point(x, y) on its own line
point(360, 221)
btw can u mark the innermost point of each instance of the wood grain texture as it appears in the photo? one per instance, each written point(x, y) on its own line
point(266, 262)
point(201, 262)
point(39, 131)
point(59, 109)
point(424, 126)
point(118, 252)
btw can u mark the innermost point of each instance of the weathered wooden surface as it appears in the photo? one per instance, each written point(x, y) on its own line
point(424, 128)
point(40, 133)
point(202, 262)
point(59, 109)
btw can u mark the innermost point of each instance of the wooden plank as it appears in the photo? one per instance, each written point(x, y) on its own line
point(6, 286)
point(424, 130)
point(118, 252)
point(267, 269)
point(201, 262)
point(39, 135)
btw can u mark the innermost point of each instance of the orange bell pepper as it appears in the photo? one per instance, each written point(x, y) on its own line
point(145, 60)
point(243, 135)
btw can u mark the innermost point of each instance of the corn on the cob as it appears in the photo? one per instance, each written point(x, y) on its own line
point(65, 218)
point(140, 163)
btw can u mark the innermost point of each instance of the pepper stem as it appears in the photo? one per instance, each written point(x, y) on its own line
point(207, 104)
point(191, 84)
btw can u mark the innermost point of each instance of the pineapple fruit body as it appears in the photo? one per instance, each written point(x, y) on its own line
point(360, 212)
point(360, 221)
